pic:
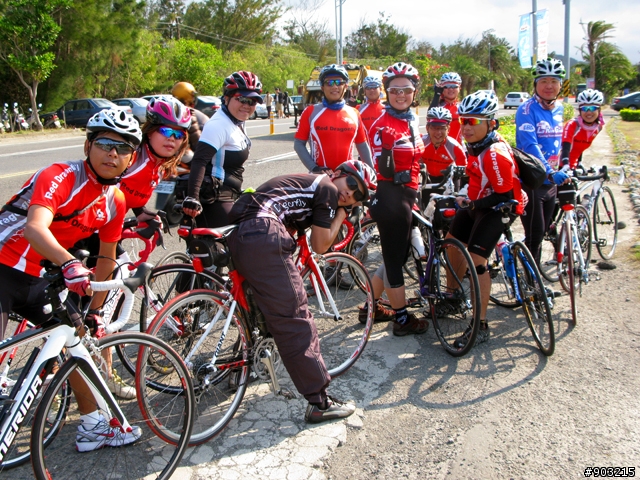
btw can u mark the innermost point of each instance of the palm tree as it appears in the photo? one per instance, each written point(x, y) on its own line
point(596, 32)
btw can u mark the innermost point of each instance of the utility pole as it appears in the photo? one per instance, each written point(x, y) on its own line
point(338, 7)
point(534, 7)
point(567, 54)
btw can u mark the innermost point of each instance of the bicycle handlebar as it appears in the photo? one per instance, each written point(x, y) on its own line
point(588, 178)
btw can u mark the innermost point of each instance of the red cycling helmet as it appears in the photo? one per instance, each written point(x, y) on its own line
point(400, 70)
point(242, 80)
point(362, 172)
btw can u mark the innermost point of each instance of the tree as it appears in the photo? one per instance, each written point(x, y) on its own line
point(595, 33)
point(377, 40)
point(307, 34)
point(167, 15)
point(27, 33)
point(613, 69)
point(232, 25)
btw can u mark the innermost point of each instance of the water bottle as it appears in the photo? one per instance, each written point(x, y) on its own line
point(500, 246)
point(416, 243)
point(509, 265)
point(586, 198)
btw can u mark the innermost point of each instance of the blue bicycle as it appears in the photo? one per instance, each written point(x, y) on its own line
point(516, 281)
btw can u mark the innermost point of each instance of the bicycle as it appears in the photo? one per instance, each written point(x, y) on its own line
point(223, 337)
point(164, 403)
point(516, 281)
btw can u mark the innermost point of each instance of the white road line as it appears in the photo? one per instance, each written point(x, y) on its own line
point(18, 174)
point(282, 156)
point(39, 151)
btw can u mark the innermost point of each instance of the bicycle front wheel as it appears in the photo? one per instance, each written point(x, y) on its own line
point(534, 299)
point(454, 297)
point(605, 223)
point(502, 288)
point(567, 262)
point(583, 224)
point(141, 453)
point(193, 323)
point(342, 310)
point(548, 252)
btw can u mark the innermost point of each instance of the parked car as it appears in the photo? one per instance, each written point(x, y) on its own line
point(630, 101)
point(208, 104)
point(261, 108)
point(137, 105)
point(515, 99)
point(77, 113)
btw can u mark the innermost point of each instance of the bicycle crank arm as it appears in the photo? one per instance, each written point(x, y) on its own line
point(267, 359)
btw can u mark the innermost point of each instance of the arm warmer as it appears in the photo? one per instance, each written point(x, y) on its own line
point(300, 148)
point(365, 153)
point(202, 156)
point(492, 200)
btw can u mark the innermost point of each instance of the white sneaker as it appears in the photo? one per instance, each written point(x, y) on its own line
point(103, 435)
point(119, 388)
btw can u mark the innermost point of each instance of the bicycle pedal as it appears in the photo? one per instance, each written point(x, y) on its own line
point(286, 393)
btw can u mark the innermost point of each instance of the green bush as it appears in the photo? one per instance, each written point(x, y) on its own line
point(569, 112)
point(630, 115)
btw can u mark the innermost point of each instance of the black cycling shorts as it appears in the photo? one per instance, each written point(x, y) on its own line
point(480, 230)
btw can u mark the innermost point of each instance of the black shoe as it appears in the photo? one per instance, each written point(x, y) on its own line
point(552, 293)
point(483, 336)
point(335, 409)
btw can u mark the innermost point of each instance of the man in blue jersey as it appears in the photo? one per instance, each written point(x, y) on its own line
point(539, 132)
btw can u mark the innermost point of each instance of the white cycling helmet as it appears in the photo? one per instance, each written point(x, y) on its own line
point(590, 97)
point(372, 82)
point(550, 67)
point(400, 70)
point(479, 103)
point(449, 78)
point(439, 115)
point(117, 121)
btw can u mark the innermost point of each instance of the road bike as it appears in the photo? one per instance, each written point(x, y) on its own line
point(162, 410)
point(223, 336)
point(516, 281)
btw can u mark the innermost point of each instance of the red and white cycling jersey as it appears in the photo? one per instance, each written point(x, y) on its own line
point(407, 150)
point(580, 136)
point(369, 112)
point(494, 170)
point(141, 178)
point(455, 129)
point(438, 159)
point(63, 188)
point(331, 134)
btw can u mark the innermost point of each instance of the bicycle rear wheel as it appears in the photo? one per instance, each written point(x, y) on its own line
point(13, 363)
point(548, 252)
point(534, 299)
point(502, 291)
point(454, 297)
point(342, 334)
point(171, 410)
point(583, 224)
point(199, 316)
point(605, 223)
point(567, 262)
point(174, 257)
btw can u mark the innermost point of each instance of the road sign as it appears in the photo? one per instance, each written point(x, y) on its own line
point(566, 88)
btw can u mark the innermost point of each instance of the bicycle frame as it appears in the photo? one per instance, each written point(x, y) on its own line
point(570, 219)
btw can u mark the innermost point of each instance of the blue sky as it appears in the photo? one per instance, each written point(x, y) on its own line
point(445, 21)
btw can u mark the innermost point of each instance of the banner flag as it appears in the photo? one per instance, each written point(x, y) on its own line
point(543, 33)
point(524, 41)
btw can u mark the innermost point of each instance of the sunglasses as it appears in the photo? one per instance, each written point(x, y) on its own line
point(471, 121)
point(589, 108)
point(334, 83)
point(167, 132)
point(451, 86)
point(246, 100)
point(107, 144)
point(401, 90)
point(354, 186)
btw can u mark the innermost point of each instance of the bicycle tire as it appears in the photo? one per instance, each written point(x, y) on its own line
point(567, 270)
point(548, 264)
point(502, 288)
point(342, 340)
point(605, 223)
point(19, 452)
point(146, 457)
point(173, 258)
point(455, 301)
point(585, 235)
point(535, 303)
point(219, 399)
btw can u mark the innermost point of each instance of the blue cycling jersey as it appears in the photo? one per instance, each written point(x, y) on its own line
point(539, 132)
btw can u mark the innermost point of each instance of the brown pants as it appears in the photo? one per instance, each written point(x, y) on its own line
point(262, 252)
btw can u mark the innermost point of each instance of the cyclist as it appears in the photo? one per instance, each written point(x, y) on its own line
point(493, 179)
point(57, 206)
point(262, 250)
point(539, 132)
point(373, 107)
point(446, 96)
point(215, 180)
point(397, 147)
point(186, 93)
point(440, 150)
point(579, 133)
point(164, 141)
point(331, 128)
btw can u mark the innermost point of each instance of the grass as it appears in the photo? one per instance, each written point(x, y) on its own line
point(631, 131)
